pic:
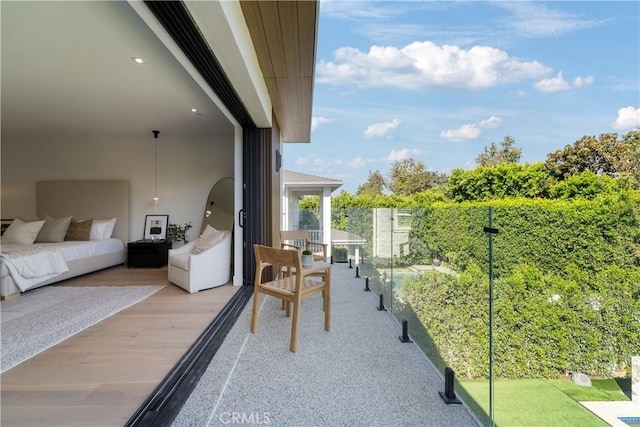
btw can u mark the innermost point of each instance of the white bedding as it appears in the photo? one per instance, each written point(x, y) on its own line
point(33, 264)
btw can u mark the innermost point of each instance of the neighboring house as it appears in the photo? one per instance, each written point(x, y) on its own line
point(391, 227)
point(225, 82)
point(297, 185)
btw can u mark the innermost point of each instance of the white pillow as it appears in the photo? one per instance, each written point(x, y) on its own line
point(21, 232)
point(102, 229)
point(209, 238)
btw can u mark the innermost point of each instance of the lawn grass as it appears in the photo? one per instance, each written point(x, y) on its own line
point(531, 403)
point(600, 390)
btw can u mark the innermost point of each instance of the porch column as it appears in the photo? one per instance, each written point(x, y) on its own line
point(325, 219)
point(285, 221)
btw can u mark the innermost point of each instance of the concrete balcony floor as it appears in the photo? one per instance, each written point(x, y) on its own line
point(358, 374)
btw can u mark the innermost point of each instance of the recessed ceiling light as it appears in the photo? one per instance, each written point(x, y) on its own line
point(193, 110)
point(137, 60)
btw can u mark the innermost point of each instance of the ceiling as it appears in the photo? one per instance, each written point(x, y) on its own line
point(284, 34)
point(67, 70)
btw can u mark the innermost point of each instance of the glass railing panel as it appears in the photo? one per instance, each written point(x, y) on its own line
point(306, 219)
point(370, 253)
point(442, 293)
point(430, 268)
point(565, 276)
point(556, 282)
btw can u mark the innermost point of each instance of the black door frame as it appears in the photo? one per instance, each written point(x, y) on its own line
point(255, 215)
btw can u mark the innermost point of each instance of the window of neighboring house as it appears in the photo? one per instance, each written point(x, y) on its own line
point(403, 220)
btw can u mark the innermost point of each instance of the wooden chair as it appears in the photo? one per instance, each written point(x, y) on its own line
point(301, 240)
point(291, 288)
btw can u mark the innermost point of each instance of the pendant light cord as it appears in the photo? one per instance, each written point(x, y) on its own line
point(155, 136)
point(156, 191)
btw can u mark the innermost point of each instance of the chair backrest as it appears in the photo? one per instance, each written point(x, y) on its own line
point(279, 258)
point(296, 235)
point(295, 238)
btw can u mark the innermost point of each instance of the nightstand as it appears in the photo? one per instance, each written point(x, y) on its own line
point(147, 254)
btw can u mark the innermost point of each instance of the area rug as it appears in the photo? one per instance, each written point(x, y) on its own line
point(41, 318)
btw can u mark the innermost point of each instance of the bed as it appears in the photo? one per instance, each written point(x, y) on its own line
point(95, 199)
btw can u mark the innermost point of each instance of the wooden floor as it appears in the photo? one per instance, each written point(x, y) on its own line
point(100, 377)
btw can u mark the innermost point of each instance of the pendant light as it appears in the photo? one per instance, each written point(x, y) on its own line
point(156, 199)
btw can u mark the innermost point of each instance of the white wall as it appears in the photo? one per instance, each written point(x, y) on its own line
point(187, 170)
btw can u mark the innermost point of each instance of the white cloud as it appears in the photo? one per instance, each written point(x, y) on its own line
point(317, 164)
point(583, 81)
point(628, 118)
point(463, 132)
point(349, 10)
point(381, 129)
point(382, 21)
point(319, 121)
point(553, 84)
point(359, 162)
point(382, 32)
point(491, 123)
point(327, 163)
point(624, 84)
point(404, 153)
point(471, 130)
point(425, 64)
point(538, 20)
point(558, 83)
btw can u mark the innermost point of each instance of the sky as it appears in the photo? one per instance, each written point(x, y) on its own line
point(440, 81)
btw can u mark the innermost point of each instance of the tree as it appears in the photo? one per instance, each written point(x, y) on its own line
point(498, 182)
point(605, 155)
point(408, 176)
point(493, 156)
point(309, 213)
point(587, 185)
point(631, 166)
point(374, 186)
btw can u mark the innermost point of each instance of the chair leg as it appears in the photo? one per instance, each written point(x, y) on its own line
point(327, 305)
point(254, 313)
point(294, 327)
point(286, 305)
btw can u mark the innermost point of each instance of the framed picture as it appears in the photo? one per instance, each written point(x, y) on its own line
point(155, 227)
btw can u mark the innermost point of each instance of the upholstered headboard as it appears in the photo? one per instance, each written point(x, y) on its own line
point(84, 200)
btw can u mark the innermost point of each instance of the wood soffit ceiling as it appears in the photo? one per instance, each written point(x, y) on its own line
point(284, 34)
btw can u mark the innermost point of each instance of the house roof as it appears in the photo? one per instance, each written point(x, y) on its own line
point(298, 179)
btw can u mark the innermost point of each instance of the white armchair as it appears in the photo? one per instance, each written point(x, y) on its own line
point(208, 269)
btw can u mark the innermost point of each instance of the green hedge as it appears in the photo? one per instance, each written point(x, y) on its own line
point(551, 234)
point(545, 324)
point(566, 288)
